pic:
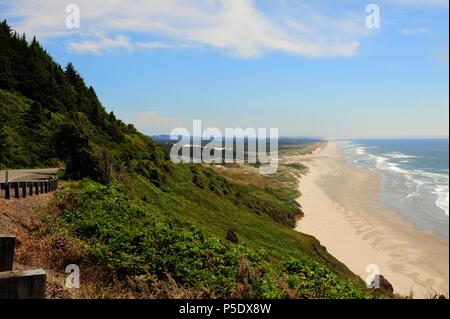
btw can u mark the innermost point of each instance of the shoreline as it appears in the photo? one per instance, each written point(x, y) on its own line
point(343, 212)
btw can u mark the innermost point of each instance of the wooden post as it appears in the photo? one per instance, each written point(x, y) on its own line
point(24, 189)
point(22, 284)
point(7, 245)
point(36, 187)
point(46, 186)
point(16, 189)
point(7, 191)
point(30, 188)
point(41, 187)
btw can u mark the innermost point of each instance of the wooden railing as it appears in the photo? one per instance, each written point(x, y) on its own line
point(18, 284)
point(27, 188)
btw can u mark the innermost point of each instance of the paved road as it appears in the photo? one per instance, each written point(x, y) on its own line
point(20, 175)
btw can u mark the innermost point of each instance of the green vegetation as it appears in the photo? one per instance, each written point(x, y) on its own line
point(133, 241)
point(141, 217)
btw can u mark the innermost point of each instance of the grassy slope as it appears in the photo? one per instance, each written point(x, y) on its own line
point(217, 214)
point(138, 243)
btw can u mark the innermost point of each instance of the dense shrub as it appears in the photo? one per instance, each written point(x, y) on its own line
point(130, 241)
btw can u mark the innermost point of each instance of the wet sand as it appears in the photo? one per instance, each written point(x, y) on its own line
point(342, 211)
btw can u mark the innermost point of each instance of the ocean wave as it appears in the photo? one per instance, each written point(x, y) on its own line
point(442, 200)
point(384, 164)
point(430, 182)
point(398, 155)
point(421, 182)
point(360, 150)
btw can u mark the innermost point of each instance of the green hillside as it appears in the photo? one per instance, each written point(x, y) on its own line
point(138, 215)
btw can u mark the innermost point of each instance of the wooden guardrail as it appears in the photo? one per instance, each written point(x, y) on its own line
point(18, 284)
point(27, 188)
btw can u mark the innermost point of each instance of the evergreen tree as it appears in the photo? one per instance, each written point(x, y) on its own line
point(60, 119)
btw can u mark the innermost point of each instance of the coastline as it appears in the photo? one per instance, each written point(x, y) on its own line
point(343, 212)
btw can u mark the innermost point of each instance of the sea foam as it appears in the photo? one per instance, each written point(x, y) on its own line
point(418, 184)
point(442, 200)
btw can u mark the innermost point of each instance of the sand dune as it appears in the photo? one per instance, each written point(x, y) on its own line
point(342, 211)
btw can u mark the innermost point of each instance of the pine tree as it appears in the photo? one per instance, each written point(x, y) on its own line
point(6, 75)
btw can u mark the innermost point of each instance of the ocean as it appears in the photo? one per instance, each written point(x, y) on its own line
point(415, 177)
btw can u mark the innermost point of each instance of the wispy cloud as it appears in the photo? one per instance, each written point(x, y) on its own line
point(152, 122)
point(236, 27)
point(438, 3)
point(421, 30)
point(101, 44)
point(155, 45)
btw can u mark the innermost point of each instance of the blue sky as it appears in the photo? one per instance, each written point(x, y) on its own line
point(305, 67)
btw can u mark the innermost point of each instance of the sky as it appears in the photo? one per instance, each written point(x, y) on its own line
point(308, 68)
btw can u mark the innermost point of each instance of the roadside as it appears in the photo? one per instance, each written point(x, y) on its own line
point(18, 175)
point(22, 218)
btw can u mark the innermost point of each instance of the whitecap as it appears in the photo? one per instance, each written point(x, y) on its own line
point(442, 200)
point(398, 155)
point(360, 150)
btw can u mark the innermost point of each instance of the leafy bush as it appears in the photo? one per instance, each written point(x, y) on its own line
point(130, 241)
point(312, 280)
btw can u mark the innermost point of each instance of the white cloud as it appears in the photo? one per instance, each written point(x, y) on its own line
point(236, 27)
point(438, 3)
point(102, 43)
point(154, 123)
point(421, 30)
point(99, 43)
point(154, 45)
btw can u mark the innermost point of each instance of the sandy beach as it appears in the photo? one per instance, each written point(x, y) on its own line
point(342, 211)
